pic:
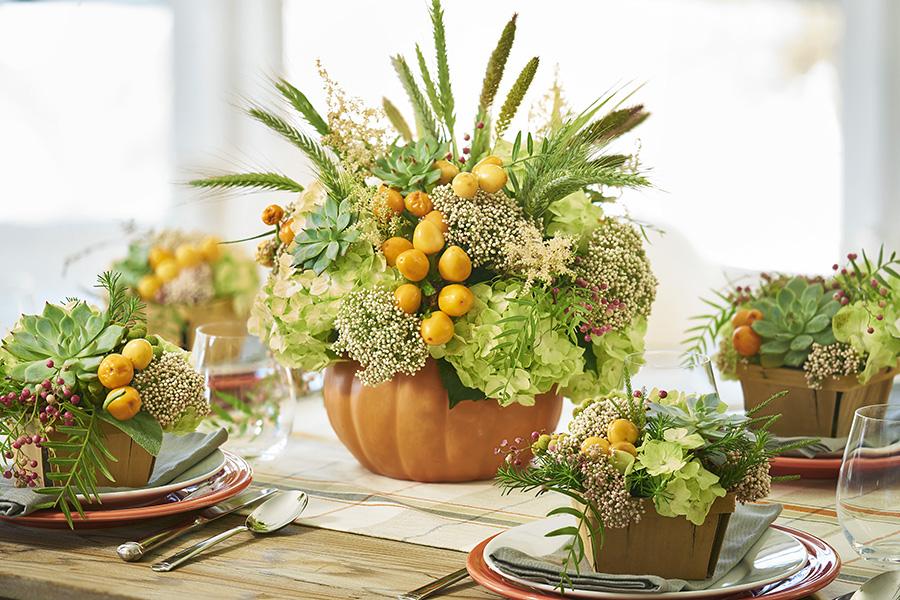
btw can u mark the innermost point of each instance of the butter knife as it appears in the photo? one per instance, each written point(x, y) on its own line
point(133, 551)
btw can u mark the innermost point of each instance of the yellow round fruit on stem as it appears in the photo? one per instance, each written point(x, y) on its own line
point(393, 247)
point(490, 160)
point(408, 297)
point(167, 270)
point(465, 185)
point(456, 300)
point(413, 264)
point(622, 430)
point(115, 371)
point(148, 286)
point(139, 352)
point(392, 198)
point(418, 203)
point(624, 447)
point(286, 232)
point(209, 248)
point(491, 178)
point(448, 171)
point(123, 403)
point(427, 237)
point(436, 329)
point(594, 444)
point(437, 217)
point(455, 264)
point(272, 214)
point(157, 255)
point(187, 255)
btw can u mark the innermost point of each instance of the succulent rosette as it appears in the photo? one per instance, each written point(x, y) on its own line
point(830, 327)
point(73, 370)
point(494, 244)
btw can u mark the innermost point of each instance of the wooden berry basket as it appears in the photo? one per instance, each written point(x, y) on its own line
point(132, 468)
point(670, 547)
point(824, 412)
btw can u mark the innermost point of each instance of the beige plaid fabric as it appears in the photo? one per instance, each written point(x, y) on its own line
point(346, 497)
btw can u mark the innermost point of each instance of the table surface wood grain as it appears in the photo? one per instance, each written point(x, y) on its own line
point(298, 562)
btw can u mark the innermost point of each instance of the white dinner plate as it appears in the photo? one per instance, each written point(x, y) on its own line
point(774, 557)
point(199, 473)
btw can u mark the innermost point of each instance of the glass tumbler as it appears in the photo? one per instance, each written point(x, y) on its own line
point(672, 370)
point(868, 491)
point(251, 395)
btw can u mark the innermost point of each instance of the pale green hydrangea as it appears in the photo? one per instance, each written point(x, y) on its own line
point(236, 278)
point(294, 312)
point(690, 493)
point(610, 349)
point(881, 347)
point(574, 216)
point(554, 360)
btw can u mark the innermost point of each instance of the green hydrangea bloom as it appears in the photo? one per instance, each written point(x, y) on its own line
point(682, 437)
point(882, 347)
point(472, 351)
point(690, 493)
point(575, 216)
point(660, 457)
point(294, 312)
point(610, 350)
point(235, 278)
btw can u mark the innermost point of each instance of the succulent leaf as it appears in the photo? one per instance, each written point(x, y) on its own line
point(799, 316)
point(328, 235)
point(411, 167)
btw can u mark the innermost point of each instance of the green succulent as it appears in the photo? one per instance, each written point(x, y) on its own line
point(328, 234)
point(411, 167)
point(798, 316)
point(75, 338)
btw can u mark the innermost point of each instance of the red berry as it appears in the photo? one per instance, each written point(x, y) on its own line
point(467, 137)
point(870, 330)
point(663, 393)
point(835, 266)
point(466, 149)
point(480, 125)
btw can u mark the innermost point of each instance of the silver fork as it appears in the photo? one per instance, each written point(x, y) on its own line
point(438, 585)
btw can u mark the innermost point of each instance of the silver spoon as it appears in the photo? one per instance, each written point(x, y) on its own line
point(273, 514)
point(885, 586)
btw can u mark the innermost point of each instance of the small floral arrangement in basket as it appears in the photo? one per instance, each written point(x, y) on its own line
point(85, 396)
point(490, 254)
point(646, 464)
point(187, 279)
point(834, 341)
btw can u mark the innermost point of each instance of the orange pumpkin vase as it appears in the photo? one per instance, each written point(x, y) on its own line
point(405, 428)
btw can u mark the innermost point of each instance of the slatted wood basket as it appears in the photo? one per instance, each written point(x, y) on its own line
point(825, 412)
point(132, 469)
point(670, 547)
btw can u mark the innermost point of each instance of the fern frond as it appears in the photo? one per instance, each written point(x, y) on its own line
point(302, 105)
point(258, 181)
point(443, 67)
point(516, 95)
point(430, 88)
point(325, 168)
point(425, 120)
point(396, 118)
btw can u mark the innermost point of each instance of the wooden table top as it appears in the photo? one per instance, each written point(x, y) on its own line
point(298, 562)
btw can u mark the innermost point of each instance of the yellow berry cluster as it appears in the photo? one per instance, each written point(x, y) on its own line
point(166, 264)
point(116, 372)
point(621, 436)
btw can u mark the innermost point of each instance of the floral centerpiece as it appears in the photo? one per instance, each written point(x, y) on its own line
point(85, 396)
point(187, 279)
point(643, 467)
point(834, 341)
point(428, 269)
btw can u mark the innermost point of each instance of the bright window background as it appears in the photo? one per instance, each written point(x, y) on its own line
point(85, 109)
point(744, 96)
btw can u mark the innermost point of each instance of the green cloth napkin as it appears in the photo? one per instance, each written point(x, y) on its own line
point(745, 527)
point(824, 448)
point(177, 454)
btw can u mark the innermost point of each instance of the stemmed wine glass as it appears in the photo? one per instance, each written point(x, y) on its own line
point(868, 491)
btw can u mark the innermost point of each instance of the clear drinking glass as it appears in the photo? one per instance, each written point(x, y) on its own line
point(671, 370)
point(868, 491)
point(251, 395)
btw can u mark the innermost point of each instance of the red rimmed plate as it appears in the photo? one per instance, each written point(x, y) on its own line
point(237, 475)
point(806, 468)
point(821, 569)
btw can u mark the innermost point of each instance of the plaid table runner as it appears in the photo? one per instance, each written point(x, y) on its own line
point(346, 497)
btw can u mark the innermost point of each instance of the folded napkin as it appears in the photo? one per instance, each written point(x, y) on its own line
point(177, 454)
point(746, 526)
point(822, 448)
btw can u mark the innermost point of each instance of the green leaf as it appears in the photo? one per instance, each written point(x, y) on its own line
point(818, 323)
point(802, 342)
point(142, 428)
point(764, 328)
point(795, 358)
point(775, 347)
point(456, 390)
